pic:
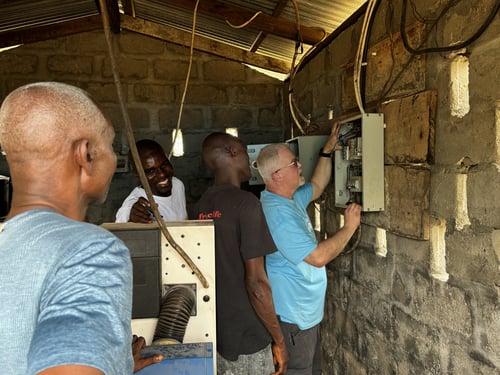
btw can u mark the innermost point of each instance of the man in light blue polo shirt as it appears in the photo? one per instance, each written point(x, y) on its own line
point(65, 285)
point(297, 270)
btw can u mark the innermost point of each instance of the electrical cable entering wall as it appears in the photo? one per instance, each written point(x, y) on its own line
point(358, 61)
point(454, 47)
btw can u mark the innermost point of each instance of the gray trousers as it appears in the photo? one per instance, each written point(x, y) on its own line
point(259, 363)
point(304, 351)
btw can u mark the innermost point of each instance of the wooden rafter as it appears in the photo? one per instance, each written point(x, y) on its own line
point(203, 44)
point(263, 22)
point(276, 13)
point(113, 14)
point(52, 31)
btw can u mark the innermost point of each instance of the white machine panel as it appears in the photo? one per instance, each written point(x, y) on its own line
point(197, 239)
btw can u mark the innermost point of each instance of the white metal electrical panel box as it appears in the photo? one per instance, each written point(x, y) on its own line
point(253, 152)
point(306, 148)
point(359, 166)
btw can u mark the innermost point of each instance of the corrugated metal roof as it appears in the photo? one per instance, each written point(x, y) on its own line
point(325, 14)
point(22, 14)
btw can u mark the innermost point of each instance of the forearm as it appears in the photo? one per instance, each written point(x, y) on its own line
point(330, 248)
point(260, 295)
point(323, 170)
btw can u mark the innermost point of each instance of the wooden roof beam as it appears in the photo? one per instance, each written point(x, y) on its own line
point(47, 32)
point(263, 22)
point(113, 14)
point(173, 35)
point(278, 9)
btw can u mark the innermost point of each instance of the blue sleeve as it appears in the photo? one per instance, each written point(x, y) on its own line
point(86, 310)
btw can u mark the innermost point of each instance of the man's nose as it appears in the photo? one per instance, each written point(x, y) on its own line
point(160, 172)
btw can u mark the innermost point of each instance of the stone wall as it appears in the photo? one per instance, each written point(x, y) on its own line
point(220, 94)
point(425, 300)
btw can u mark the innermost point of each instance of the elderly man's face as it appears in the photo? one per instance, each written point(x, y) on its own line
point(289, 168)
point(159, 172)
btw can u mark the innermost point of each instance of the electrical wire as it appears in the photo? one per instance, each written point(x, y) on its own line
point(186, 83)
point(353, 245)
point(297, 20)
point(362, 78)
point(294, 108)
point(358, 61)
point(449, 48)
point(418, 16)
point(295, 111)
point(244, 24)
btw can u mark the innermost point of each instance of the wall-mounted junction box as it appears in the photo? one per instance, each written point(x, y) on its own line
point(359, 166)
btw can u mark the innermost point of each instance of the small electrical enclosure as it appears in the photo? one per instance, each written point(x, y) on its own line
point(253, 152)
point(306, 148)
point(359, 166)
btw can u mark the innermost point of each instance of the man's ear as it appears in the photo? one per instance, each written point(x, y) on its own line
point(276, 177)
point(233, 150)
point(83, 155)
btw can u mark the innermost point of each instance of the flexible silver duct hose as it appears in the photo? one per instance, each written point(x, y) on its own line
point(174, 316)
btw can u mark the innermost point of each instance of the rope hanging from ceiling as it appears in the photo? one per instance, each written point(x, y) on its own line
point(135, 154)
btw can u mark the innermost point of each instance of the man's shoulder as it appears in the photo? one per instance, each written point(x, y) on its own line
point(44, 217)
point(237, 193)
point(177, 181)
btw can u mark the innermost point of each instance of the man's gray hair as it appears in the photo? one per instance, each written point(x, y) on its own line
point(44, 117)
point(268, 159)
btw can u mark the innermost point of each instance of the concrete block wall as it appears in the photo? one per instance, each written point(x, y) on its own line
point(220, 94)
point(431, 304)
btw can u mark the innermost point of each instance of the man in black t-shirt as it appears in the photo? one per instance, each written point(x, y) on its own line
point(249, 336)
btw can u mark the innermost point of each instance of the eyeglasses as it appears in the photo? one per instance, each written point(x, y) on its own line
point(295, 163)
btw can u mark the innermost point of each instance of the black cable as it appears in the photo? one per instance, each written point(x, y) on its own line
point(476, 35)
point(352, 133)
point(353, 245)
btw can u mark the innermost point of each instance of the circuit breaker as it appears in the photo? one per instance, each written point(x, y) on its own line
point(359, 166)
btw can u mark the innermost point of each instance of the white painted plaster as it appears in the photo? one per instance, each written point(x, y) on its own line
point(438, 249)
